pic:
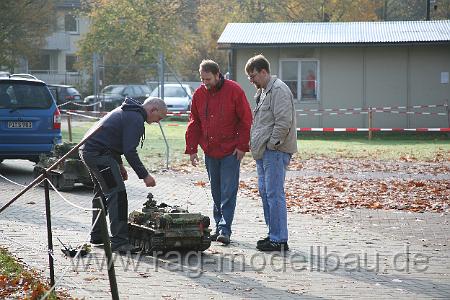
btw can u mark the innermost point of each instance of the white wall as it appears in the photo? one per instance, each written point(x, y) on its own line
point(353, 77)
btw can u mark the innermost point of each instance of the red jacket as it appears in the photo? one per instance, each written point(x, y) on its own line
point(220, 120)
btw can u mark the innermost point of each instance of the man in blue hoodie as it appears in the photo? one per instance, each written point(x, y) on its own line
point(122, 131)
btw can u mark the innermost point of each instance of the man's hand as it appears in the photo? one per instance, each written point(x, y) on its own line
point(123, 172)
point(239, 154)
point(149, 181)
point(194, 159)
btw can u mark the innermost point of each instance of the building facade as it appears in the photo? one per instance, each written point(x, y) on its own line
point(56, 61)
point(356, 66)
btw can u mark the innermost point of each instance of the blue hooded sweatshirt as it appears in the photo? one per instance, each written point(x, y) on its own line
point(123, 129)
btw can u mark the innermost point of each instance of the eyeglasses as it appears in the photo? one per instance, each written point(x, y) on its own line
point(252, 76)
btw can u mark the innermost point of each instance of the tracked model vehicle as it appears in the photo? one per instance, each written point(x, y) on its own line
point(67, 173)
point(166, 228)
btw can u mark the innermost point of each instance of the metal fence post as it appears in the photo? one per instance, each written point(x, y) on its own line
point(167, 145)
point(107, 247)
point(49, 230)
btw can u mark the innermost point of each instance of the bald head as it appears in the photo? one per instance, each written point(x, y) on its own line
point(156, 109)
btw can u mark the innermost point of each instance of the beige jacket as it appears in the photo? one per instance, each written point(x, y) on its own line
point(274, 125)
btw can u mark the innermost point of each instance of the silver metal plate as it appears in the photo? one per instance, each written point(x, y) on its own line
point(20, 124)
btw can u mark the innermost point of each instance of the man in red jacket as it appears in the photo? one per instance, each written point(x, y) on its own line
point(220, 123)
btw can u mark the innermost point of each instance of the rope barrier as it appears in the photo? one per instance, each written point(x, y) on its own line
point(13, 182)
point(70, 203)
point(75, 257)
point(48, 251)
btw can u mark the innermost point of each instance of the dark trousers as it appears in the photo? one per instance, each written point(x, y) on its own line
point(109, 188)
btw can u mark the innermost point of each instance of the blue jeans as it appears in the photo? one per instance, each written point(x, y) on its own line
point(223, 175)
point(271, 174)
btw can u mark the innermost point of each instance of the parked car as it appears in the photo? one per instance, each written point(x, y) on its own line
point(112, 96)
point(177, 96)
point(64, 94)
point(30, 122)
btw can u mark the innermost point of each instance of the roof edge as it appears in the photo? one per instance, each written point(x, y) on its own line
point(227, 46)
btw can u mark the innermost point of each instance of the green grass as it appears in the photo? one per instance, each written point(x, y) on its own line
point(383, 146)
point(423, 146)
point(8, 265)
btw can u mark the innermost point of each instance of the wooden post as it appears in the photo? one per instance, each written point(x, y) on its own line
point(448, 114)
point(69, 125)
point(370, 123)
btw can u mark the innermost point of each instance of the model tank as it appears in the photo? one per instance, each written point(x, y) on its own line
point(69, 172)
point(165, 228)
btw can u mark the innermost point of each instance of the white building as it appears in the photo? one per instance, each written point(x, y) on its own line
point(338, 65)
point(57, 59)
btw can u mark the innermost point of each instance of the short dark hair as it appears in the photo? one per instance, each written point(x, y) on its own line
point(209, 66)
point(258, 63)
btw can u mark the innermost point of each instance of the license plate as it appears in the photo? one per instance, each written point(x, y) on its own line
point(20, 124)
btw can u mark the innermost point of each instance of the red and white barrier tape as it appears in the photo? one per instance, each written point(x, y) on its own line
point(71, 111)
point(174, 125)
point(178, 113)
point(366, 112)
point(79, 104)
point(373, 108)
point(352, 129)
point(169, 113)
point(333, 113)
point(413, 112)
point(82, 115)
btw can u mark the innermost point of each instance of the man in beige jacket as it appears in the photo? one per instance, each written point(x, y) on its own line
point(273, 140)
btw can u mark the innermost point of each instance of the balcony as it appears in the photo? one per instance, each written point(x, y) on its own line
point(58, 41)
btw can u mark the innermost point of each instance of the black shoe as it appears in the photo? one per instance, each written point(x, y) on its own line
point(224, 239)
point(273, 246)
point(96, 242)
point(214, 236)
point(261, 241)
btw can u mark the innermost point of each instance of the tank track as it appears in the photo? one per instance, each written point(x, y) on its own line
point(60, 181)
point(149, 241)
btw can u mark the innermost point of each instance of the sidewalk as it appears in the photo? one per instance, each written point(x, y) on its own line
point(360, 254)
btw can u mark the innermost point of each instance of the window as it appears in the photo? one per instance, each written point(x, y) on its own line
point(70, 63)
point(70, 23)
point(301, 76)
point(25, 95)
